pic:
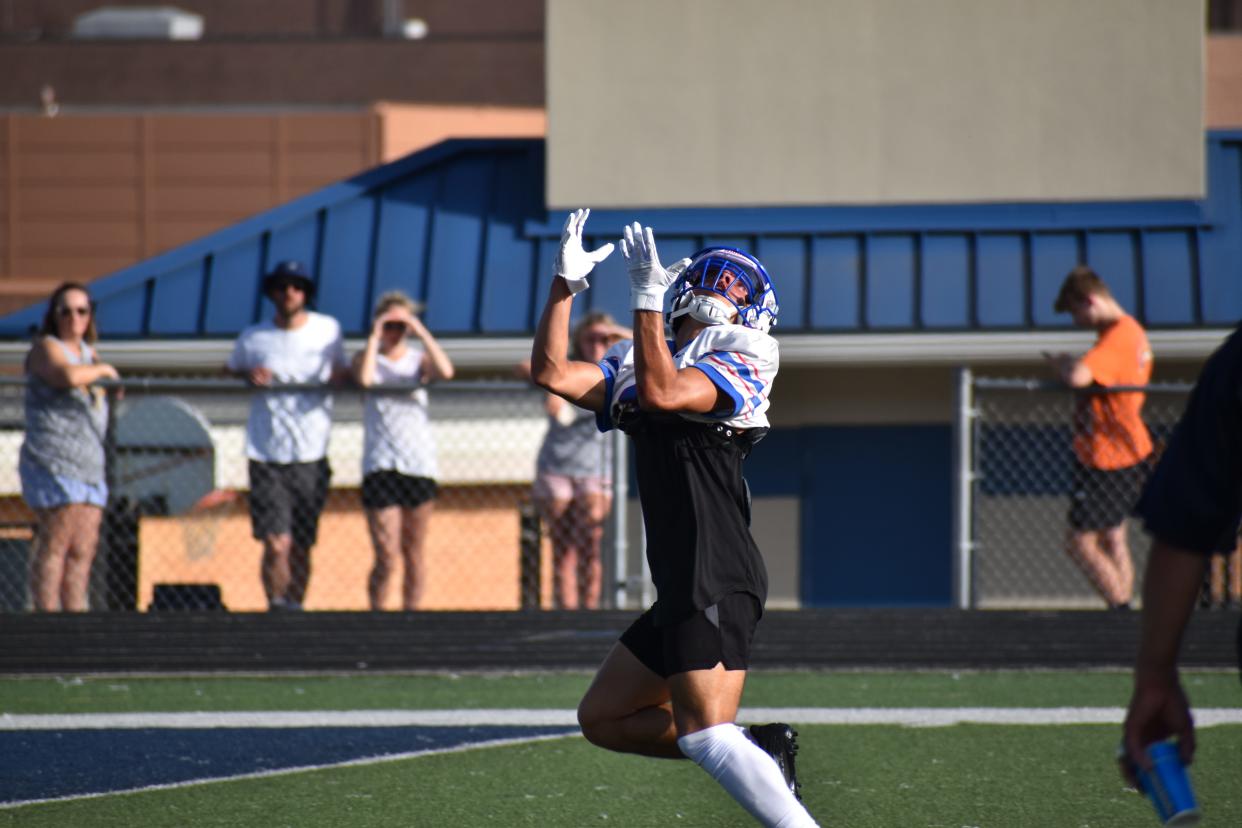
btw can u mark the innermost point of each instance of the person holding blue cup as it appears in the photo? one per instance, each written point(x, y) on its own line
point(1167, 784)
point(1190, 506)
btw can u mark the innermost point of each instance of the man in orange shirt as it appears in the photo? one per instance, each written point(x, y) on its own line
point(1111, 443)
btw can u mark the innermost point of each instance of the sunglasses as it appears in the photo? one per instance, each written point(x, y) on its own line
point(73, 310)
point(394, 327)
point(281, 287)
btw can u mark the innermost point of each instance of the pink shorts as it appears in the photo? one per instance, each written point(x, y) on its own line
point(549, 486)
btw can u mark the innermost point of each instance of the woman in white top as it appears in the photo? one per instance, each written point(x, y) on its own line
point(62, 456)
point(399, 458)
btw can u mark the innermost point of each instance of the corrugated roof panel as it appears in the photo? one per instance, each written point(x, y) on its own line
point(1052, 256)
point(1114, 253)
point(1001, 280)
point(1168, 278)
point(462, 226)
point(785, 258)
point(945, 265)
point(458, 231)
point(890, 282)
point(232, 287)
point(345, 261)
point(171, 314)
point(836, 277)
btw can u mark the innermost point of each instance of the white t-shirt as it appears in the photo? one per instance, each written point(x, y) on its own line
point(740, 361)
point(398, 434)
point(290, 426)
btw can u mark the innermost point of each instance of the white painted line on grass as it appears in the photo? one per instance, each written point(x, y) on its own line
point(370, 760)
point(907, 716)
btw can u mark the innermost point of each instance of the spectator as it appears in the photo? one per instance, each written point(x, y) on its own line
point(1111, 443)
point(61, 463)
point(287, 432)
point(399, 455)
point(1190, 506)
point(573, 477)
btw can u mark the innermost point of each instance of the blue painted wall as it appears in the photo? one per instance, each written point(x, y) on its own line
point(462, 226)
point(876, 515)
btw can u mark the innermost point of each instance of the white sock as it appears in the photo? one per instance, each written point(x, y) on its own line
point(747, 773)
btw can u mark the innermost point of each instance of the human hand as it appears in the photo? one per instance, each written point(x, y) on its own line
point(1157, 711)
point(396, 314)
point(260, 376)
point(573, 263)
point(649, 280)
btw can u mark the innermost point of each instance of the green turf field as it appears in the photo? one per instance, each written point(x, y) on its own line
point(988, 776)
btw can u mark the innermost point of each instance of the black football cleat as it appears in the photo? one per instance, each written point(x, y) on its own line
point(780, 741)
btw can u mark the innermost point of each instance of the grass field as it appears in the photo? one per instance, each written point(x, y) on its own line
point(989, 776)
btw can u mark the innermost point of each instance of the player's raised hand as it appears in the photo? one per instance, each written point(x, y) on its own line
point(573, 263)
point(649, 280)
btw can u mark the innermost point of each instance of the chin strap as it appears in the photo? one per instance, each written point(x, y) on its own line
point(704, 309)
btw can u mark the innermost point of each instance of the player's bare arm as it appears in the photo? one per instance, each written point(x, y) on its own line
point(582, 383)
point(661, 386)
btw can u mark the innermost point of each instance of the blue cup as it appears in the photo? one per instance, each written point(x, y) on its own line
point(1167, 785)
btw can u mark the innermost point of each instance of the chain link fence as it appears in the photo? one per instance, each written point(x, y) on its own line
point(1016, 445)
point(177, 530)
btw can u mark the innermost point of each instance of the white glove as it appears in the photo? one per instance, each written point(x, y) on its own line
point(648, 279)
point(572, 262)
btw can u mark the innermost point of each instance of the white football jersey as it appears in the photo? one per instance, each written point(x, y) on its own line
point(741, 361)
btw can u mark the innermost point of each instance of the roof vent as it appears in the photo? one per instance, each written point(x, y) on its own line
point(138, 23)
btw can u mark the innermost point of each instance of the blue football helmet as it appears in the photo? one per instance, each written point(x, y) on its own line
point(717, 270)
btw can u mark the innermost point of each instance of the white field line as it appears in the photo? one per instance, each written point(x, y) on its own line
point(350, 763)
point(906, 716)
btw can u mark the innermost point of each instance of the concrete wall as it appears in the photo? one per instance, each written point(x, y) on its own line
point(735, 102)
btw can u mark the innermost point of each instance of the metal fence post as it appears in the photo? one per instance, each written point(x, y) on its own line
point(618, 572)
point(963, 475)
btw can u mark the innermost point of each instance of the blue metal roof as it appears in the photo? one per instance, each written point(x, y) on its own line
point(463, 227)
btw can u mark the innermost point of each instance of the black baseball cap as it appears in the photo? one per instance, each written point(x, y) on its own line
point(290, 271)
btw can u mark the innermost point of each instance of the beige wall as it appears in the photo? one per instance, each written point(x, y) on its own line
point(729, 102)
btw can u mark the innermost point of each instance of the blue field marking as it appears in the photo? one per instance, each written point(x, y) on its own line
point(52, 764)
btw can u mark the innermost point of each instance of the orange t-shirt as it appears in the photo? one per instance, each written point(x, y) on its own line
point(1110, 433)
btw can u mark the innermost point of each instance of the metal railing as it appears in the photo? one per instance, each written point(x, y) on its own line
point(177, 532)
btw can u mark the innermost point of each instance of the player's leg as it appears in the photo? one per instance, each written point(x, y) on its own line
point(1116, 546)
point(270, 522)
point(414, 523)
point(627, 708)
point(554, 499)
point(84, 539)
point(1085, 549)
point(308, 483)
point(593, 506)
point(705, 703)
point(384, 525)
point(53, 530)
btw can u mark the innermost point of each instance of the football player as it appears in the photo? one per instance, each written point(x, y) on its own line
point(694, 406)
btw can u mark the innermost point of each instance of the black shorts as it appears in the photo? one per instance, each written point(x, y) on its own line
point(720, 634)
point(1101, 498)
point(287, 499)
point(386, 487)
point(1194, 497)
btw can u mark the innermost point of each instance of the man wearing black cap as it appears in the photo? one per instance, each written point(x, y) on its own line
point(287, 431)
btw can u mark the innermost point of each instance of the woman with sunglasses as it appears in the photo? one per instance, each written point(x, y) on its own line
point(399, 455)
point(62, 457)
point(573, 477)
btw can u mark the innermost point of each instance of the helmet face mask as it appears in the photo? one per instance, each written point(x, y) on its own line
point(721, 281)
